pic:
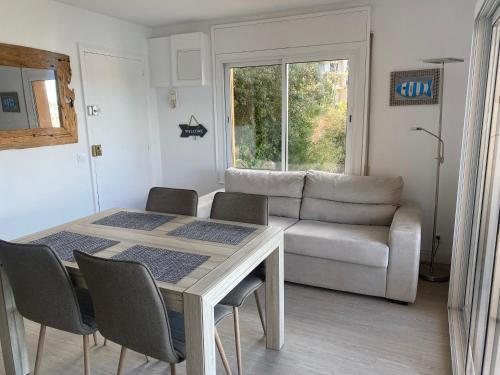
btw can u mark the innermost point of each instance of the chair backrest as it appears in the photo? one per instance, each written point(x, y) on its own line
point(129, 308)
point(173, 201)
point(242, 207)
point(42, 288)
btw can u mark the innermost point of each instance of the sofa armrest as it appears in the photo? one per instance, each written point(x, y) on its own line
point(205, 204)
point(404, 254)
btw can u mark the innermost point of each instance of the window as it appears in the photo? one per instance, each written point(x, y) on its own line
point(256, 117)
point(288, 116)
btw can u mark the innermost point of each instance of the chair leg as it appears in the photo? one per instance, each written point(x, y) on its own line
point(86, 364)
point(236, 314)
point(172, 369)
point(39, 350)
point(95, 338)
point(105, 342)
point(147, 358)
point(121, 363)
point(222, 353)
point(261, 311)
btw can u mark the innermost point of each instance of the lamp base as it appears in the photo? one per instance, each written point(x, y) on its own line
point(440, 272)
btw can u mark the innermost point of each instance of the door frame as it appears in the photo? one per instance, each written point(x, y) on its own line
point(84, 48)
point(472, 179)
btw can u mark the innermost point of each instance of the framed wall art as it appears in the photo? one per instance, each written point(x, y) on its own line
point(415, 87)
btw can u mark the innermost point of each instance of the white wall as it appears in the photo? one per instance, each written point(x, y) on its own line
point(406, 31)
point(42, 187)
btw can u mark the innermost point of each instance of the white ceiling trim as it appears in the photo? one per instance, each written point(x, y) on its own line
point(165, 12)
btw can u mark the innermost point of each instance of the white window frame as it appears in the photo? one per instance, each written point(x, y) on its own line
point(356, 53)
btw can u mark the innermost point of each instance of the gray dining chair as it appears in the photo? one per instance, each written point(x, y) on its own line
point(131, 312)
point(252, 209)
point(44, 293)
point(173, 201)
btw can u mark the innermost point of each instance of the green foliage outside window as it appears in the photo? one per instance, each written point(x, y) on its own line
point(317, 111)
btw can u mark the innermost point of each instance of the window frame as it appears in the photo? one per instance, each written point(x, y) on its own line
point(357, 128)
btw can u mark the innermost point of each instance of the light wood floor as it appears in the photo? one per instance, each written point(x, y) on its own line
point(326, 332)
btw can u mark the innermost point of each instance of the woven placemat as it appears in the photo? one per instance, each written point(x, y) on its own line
point(228, 234)
point(134, 220)
point(64, 243)
point(166, 265)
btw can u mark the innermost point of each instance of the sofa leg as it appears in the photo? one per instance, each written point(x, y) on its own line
point(396, 302)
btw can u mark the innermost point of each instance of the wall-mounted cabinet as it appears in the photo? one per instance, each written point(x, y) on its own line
point(179, 60)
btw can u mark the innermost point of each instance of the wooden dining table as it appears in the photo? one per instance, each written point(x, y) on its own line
point(195, 295)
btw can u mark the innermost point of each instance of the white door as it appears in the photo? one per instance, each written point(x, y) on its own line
point(116, 87)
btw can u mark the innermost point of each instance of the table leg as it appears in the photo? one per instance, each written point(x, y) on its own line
point(12, 336)
point(275, 310)
point(200, 336)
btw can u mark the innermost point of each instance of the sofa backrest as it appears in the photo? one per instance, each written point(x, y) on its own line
point(284, 189)
point(363, 200)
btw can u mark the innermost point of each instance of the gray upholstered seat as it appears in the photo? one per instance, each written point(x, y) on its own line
point(44, 293)
point(176, 320)
point(173, 201)
point(358, 244)
point(243, 290)
point(131, 312)
point(244, 208)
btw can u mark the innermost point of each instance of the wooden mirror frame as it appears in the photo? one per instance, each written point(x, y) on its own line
point(25, 57)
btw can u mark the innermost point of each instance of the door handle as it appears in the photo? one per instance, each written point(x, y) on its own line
point(96, 150)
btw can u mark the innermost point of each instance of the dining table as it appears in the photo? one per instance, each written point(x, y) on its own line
point(204, 260)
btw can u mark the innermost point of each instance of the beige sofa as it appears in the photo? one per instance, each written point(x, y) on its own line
point(342, 232)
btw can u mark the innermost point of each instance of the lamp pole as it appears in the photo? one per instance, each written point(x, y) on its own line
point(431, 270)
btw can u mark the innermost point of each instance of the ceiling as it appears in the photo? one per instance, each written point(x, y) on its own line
point(163, 12)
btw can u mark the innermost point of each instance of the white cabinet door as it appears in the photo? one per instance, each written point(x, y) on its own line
point(189, 54)
point(117, 87)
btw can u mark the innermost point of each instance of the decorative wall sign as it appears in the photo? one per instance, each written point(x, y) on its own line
point(10, 102)
point(413, 87)
point(189, 130)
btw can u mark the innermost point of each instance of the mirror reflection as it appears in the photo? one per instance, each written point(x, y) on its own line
point(29, 98)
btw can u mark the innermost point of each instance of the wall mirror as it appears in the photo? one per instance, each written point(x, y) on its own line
point(36, 103)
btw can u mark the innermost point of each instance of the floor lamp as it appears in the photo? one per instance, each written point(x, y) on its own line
point(432, 270)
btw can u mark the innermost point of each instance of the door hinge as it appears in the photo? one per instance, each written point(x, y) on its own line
point(350, 118)
point(96, 150)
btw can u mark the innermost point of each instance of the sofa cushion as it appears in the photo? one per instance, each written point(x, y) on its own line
point(363, 200)
point(281, 222)
point(347, 213)
point(284, 189)
point(353, 189)
point(358, 244)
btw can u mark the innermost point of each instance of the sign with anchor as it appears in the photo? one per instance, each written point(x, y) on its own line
point(190, 130)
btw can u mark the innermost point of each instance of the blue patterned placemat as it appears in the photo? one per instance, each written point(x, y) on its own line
point(64, 243)
point(134, 220)
point(166, 265)
point(228, 234)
